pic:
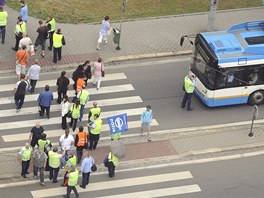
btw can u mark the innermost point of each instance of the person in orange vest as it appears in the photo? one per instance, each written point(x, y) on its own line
point(81, 84)
point(81, 142)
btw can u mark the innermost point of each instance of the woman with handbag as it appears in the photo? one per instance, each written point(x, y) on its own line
point(98, 73)
point(75, 113)
point(64, 111)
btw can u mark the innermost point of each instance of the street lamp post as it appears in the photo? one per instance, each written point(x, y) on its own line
point(122, 18)
point(255, 115)
point(212, 15)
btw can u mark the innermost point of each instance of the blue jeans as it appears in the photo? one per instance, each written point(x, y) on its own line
point(81, 112)
point(41, 173)
point(187, 98)
point(19, 100)
point(64, 158)
point(53, 174)
point(69, 189)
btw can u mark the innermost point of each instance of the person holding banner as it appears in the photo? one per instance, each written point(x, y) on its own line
point(94, 134)
point(146, 118)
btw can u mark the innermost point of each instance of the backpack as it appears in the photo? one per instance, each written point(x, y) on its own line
point(75, 76)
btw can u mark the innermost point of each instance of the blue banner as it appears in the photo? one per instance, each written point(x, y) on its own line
point(118, 123)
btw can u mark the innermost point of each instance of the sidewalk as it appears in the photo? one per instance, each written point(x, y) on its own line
point(140, 38)
point(167, 147)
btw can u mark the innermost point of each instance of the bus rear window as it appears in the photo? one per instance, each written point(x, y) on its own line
point(255, 40)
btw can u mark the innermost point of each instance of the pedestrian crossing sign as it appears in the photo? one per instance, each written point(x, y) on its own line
point(118, 123)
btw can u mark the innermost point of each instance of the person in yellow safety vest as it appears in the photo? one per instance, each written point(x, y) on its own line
point(189, 85)
point(94, 134)
point(75, 114)
point(58, 41)
point(73, 176)
point(25, 154)
point(83, 95)
point(72, 161)
point(20, 28)
point(54, 164)
point(44, 144)
point(92, 112)
point(51, 25)
point(116, 136)
point(3, 22)
point(111, 167)
point(81, 142)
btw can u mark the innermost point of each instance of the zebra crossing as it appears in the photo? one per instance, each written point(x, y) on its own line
point(15, 126)
point(161, 185)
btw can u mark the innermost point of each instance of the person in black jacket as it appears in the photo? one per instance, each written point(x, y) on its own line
point(62, 86)
point(82, 70)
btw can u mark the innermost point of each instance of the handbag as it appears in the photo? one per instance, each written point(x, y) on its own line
point(107, 163)
point(94, 168)
point(69, 114)
point(102, 72)
point(29, 87)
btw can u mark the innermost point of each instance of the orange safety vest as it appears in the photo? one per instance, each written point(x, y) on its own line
point(82, 138)
point(80, 84)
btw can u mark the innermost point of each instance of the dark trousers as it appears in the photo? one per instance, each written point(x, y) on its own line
point(73, 123)
point(41, 173)
point(42, 108)
point(92, 144)
point(85, 179)
point(53, 174)
point(64, 122)
point(81, 112)
point(56, 54)
point(79, 152)
point(69, 189)
point(187, 98)
point(2, 33)
point(25, 166)
point(18, 38)
point(51, 40)
point(19, 100)
point(33, 85)
point(60, 95)
point(111, 171)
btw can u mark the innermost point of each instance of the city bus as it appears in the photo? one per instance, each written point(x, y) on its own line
point(229, 65)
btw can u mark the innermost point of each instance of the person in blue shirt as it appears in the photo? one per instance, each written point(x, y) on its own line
point(45, 100)
point(87, 163)
point(24, 11)
point(146, 118)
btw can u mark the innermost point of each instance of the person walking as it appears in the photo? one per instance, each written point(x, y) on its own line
point(24, 11)
point(44, 144)
point(103, 33)
point(92, 112)
point(20, 92)
point(3, 22)
point(189, 85)
point(25, 154)
point(113, 162)
point(39, 164)
point(54, 164)
point(87, 163)
point(146, 118)
point(98, 71)
point(72, 161)
point(45, 100)
point(21, 61)
point(72, 182)
point(42, 37)
point(62, 86)
point(65, 105)
point(25, 40)
point(65, 142)
point(81, 141)
point(58, 42)
point(83, 95)
point(81, 84)
point(51, 25)
point(82, 70)
point(20, 29)
point(35, 134)
point(33, 74)
point(75, 114)
point(94, 134)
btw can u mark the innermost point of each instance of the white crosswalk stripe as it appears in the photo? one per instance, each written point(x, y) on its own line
point(130, 182)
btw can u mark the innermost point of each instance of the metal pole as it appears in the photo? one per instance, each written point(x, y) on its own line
point(212, 15)
point(122, 18)
point(255, 115)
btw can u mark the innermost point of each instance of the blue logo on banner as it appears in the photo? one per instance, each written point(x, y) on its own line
point(118, 123)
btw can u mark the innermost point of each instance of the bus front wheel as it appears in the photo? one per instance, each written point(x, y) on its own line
point(256, 98)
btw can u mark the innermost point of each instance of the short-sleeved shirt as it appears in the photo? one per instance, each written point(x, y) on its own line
point(66, 142)
point(43, 33)
point(36, 135)
point(22, 57)
point(21, 87)
point(39, 159)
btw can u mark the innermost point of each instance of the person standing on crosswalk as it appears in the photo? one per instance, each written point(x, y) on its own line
point(54, 164)
point(81, 84)
point(98, 71)
point(25, 154)
point(92, 112)
point(87, 163)
point(21, 61)
point(39, 164)
point(146, 118)
point(45, 100)
point(73, 180)
point(83, 95)
point(94, 134)
point(62, 83)
point(71, 161)
point(113, 162)
point(81, 143)
point(20, 92)
point(66, 141)
point(75, 114)
point(65, 108)
point(35, 134)
point(33, 74)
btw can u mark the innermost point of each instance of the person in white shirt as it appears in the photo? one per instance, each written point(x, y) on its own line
point(25, 41)
point(65, 105)
point(33, 75)
point(65, 143)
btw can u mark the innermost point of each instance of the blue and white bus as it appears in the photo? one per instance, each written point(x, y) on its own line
point(229, 65)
